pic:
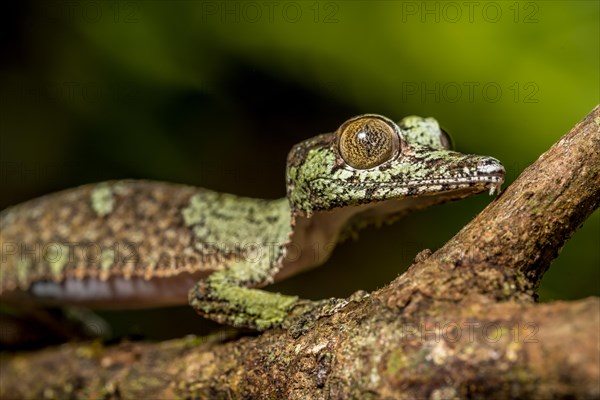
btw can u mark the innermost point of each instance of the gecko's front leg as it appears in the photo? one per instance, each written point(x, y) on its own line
point(224, 298)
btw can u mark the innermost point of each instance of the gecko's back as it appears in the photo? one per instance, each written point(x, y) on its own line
point(103, 242)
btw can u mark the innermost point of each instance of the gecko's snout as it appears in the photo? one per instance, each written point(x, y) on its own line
point(492, 167)
point(493, 172)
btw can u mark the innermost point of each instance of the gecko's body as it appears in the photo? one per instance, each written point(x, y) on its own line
point(143, 243)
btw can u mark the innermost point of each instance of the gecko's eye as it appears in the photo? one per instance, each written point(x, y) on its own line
point(366, 142)
point(446, 140)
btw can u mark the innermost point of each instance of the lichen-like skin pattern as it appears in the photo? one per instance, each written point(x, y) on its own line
point(145, 243)
point(98, 231)
point(319, 179)
point(102, 200)
point(229, 224)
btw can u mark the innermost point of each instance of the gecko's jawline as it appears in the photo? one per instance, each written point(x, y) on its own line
point(467, 186)
point(472, 180)
point(459, 183)
point(439, 187)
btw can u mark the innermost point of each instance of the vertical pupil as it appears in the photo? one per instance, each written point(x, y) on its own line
point(368, 141)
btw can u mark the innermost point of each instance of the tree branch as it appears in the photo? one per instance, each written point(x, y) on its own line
point(503, 253)
point(461, 322)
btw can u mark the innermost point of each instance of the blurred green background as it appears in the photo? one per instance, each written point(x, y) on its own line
point(214, 94)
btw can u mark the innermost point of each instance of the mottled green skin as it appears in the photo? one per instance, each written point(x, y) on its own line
point(318, 179)
point(232, 224)
point(232, 244)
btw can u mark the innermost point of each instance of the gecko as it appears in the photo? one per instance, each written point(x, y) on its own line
point(137, 243)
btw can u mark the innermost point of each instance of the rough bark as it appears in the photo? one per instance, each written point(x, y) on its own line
point(461, 322)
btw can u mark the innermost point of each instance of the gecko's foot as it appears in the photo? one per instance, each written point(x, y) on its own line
point(423, 255)
point(239, 306)
point(256, 309)
point(304, 313)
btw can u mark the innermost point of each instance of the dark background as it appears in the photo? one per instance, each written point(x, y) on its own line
point(214, 94)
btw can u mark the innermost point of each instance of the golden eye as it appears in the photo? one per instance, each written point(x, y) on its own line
point(366, 142)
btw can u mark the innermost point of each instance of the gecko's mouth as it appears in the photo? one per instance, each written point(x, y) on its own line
point(443, 185)
point(438, 186)
point(488, 174)
point(390, 200)
point(491, 181)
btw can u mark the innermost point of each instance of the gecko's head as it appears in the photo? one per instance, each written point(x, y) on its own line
point(371, 159)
